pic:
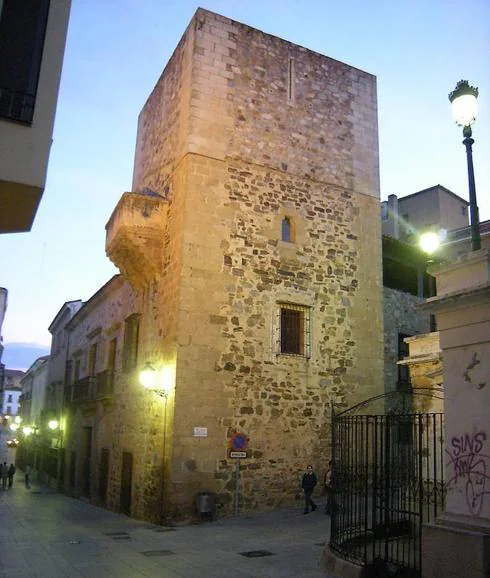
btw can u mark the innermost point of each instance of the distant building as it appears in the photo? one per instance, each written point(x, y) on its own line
point(58, 358)
point(103, 403)
point(32, 44)
point(405, 279)
point(431, 209)
point(11, 391)
point(33, 399)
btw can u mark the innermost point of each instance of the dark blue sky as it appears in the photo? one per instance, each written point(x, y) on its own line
point(117, 49)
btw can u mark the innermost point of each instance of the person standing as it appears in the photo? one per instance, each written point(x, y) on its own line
point(11, 474)
point(5, 473)
point(327, 487)
point(27, 471)
point(308, 484)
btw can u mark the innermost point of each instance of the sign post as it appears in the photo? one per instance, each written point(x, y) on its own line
point(238, 450)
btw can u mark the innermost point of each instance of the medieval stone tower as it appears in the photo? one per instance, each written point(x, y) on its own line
point(252, 237)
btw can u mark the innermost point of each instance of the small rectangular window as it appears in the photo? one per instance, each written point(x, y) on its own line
point(111, 360)
point(294, 329)
point(92, 359)
point(131, 338)
point(384, 211)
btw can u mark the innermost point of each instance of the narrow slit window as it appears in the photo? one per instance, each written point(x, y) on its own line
point(291, 75)
point(286, 230)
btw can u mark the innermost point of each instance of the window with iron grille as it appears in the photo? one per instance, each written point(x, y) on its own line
point(294, 329)
point(131, 338)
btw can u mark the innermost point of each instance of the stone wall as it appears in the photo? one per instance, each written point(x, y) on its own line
point(128, 421)
point(272, 130)
point(400, 316)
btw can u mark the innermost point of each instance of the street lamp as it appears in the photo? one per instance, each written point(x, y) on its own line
point(159, 381)
point(429, 242)
point(464, 107)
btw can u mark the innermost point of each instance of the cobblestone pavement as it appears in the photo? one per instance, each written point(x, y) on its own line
point(49, 535)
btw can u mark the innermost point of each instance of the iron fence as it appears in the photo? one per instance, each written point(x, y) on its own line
point(387, 482)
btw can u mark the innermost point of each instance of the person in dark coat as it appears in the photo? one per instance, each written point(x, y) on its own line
point(11, 474)
point(308, 484)
point(5, 473)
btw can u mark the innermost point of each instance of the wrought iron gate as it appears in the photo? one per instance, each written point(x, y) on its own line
point(387, 481)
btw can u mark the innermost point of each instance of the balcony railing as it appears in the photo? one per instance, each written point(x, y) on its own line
point(105, 384)
point(84, 389)
point(90, 388)
point(15, 105)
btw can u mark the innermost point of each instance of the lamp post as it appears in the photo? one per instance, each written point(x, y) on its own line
point(153, 380)
point(464, 107)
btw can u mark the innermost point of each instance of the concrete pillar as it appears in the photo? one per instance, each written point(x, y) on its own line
point(458, 543)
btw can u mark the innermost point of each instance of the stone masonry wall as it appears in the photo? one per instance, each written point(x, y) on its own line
point(253, 154)
point(400, 316)
point(129, 422)
point(229, 374)
point(258, 98)
point(162, 138)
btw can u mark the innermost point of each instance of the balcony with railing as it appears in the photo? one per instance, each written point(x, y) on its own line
point(105, 384)
point(84, 390)
point(134, 236)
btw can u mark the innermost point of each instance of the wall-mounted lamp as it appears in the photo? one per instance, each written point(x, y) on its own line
point(53, 424)
point(154, 380)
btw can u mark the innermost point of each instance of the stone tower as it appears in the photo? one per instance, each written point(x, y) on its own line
point(252, 236)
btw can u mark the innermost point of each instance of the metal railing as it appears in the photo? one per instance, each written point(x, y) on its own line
point(90, 388)
point(15, 105)
point(84, 389)
point(105, 384)
point(387, 482)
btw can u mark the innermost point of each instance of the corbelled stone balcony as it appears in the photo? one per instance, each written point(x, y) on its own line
point(134, 236)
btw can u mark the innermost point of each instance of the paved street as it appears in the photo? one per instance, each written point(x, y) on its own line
point(49, 535)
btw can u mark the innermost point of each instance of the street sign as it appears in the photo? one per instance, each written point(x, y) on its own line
point(238, 441)
point(237, 455)
point(200, 432)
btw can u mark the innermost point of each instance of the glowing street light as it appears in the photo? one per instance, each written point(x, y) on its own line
point(429, 242)
point(464, 108)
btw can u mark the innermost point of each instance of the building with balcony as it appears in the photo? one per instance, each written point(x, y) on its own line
point(252, 240)
point(100, 405)
point(32, 44)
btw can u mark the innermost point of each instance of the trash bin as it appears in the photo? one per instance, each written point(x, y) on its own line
point(206, 505)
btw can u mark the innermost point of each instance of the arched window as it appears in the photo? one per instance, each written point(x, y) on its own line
point(286, 230)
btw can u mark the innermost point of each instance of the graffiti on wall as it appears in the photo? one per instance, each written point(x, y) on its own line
point(474, 373)
point(469, 468)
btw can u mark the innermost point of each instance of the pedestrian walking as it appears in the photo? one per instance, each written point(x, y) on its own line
point(308, 484)
point(5, 473)
point(327, 487)
point(11, 474)
point(27, 471)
